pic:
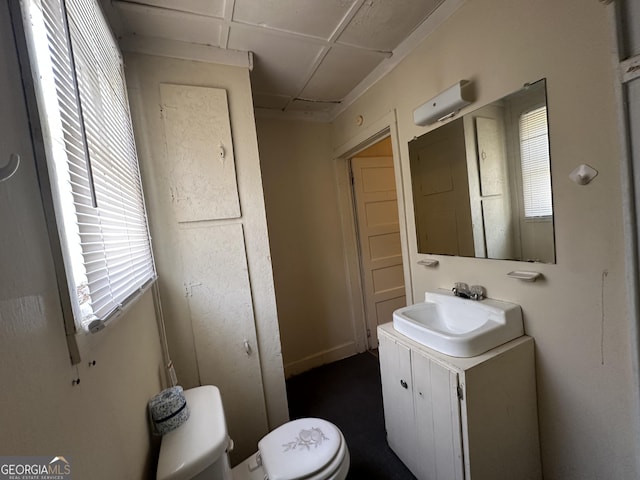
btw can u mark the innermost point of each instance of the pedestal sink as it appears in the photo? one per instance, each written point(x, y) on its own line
point(457, 326)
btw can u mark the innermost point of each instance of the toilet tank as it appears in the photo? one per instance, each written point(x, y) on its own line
point(197, 449)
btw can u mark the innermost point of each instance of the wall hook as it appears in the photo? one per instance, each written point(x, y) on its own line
point(583, 174)
point(10, 168)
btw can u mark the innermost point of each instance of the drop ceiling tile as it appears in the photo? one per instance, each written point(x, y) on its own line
point(214, 8)
point(271, 102)
point(383, 24)
point(174, 26)
point(287, 37)
point(317, 18)
point(305, 106)
point(340, 71)
point(281, 64)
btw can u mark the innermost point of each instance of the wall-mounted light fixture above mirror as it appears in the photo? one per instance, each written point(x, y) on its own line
point(444, 105)
point(482, 183)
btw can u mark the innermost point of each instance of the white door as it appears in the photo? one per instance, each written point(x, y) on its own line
point(437, 409)
point(421, 412)
point(379, 236)
point(218, 294)
point(397, 392)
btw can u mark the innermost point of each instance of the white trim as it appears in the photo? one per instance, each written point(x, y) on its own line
point(186, 51)
point(351, 260)
point(321, 358)
point(31, 94)
point(383, 127)
point(401, 196)
point(229, 6)
point(630, 206)
point(366, 136)
point(630, 69)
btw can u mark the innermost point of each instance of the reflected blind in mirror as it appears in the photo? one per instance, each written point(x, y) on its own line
point(534, 152)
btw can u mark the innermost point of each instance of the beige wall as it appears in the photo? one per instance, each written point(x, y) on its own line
point(578, 313)
point(144, 75)
point(101, 424)
point(301, 199)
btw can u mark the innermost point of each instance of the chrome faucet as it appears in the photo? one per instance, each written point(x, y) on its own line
point(475, 292)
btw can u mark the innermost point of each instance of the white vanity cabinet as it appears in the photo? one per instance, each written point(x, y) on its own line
point(461, 418)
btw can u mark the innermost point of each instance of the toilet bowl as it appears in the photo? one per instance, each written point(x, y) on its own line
point(306, 448)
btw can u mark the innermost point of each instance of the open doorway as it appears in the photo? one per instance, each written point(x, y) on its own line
point(377, 227)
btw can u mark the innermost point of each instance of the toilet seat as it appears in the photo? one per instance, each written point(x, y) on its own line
point(303, 449)
point(307, 448)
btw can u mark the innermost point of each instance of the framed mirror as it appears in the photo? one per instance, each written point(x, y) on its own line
point(482, 183)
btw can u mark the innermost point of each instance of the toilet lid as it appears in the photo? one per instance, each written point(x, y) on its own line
point(299, 448)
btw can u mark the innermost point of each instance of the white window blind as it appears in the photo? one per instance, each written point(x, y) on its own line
point(534, 155)
point(91, 156)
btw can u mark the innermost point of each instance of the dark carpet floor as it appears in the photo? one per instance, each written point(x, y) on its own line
point(348, 393)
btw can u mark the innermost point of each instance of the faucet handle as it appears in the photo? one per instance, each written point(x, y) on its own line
point(461, 289)
point(477, 292)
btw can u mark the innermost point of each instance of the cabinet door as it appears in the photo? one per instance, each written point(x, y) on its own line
point(397, 393)
point(200, 163)
point(211, 318)
point(437, 416)
point(218, 293)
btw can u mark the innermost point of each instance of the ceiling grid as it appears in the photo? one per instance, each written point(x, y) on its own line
point(307, 55)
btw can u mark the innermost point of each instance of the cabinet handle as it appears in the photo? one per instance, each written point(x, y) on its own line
point(404, 384)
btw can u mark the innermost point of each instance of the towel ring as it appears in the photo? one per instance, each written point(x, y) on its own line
point(10, 168)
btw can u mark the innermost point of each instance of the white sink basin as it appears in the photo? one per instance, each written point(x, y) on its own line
point(459, 327)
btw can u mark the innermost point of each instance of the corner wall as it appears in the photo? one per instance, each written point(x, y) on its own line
point(314, 311)
point(578, 314)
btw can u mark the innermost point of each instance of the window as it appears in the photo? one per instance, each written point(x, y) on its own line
point(536, 171)
point(91, 157)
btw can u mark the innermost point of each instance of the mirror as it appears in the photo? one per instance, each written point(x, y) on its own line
point(482, 183)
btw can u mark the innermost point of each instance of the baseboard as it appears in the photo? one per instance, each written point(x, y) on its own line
point(318, 359)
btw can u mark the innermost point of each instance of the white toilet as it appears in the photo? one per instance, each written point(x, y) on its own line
point(307, 448)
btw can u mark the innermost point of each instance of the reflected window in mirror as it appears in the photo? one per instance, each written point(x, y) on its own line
point(482, 183)
point(534, 160)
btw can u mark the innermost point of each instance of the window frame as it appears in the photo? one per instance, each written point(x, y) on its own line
point(50, 190)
